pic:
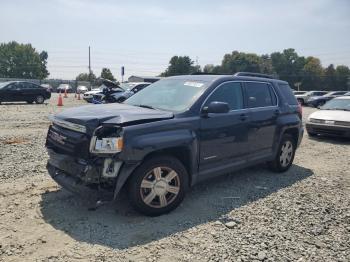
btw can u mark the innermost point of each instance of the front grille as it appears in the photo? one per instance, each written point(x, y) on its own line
point(325, 131)
point(69, 142)
point(341, 123)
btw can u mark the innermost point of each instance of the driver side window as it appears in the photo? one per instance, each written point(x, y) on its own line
point(230, 93)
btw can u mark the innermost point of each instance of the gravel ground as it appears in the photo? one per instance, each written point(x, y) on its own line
point(250, 215)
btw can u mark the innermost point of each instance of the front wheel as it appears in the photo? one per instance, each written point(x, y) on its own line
point(39, 99)
point(285, 156)
point(158, 185)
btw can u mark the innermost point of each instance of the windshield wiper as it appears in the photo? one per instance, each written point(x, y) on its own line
point(146, 106)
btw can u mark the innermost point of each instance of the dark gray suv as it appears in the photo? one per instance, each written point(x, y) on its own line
point(173, 134)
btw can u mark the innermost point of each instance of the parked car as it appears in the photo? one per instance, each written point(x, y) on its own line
point(299, 92)
point(129, 90)
point(333, 119)
point(88, 96)
point(303, 98)
point(82, 89)
point(17, 91)
point(316, 101)
point(347, 94)
point(47, 86)
point(62, 87)
point(175, 133)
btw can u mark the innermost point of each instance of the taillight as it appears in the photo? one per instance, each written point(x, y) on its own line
point(300, 110)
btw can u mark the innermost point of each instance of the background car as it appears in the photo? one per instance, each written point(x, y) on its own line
point(47, 86)
point(303, 98)
point(62, 87)
point(299, 92)
point(333, 118)
point(347, 94)
point(130, 90)
point(88, 96)
point(82, 89)
point(23, 91)
point(316, 101)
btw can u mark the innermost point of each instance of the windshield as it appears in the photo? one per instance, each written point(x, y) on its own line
point(175, 95)
point(3, 84)
point(337, 104)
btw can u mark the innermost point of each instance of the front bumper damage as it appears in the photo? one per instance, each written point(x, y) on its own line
point(82, 177)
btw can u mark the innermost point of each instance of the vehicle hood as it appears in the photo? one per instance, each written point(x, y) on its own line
point(92, 116)
point(336, 115)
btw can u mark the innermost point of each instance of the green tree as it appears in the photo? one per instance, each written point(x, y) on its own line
point(211, 69)
point(107, 74)
point(180, 65)
point(330, 79)
point(244, 62)
point(22, 61)
point(288, 65)
point(312, 74)
point(86, 77)
point(342, 73)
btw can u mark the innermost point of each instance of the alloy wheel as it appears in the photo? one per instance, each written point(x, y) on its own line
point(160, 187)
point(286, 153)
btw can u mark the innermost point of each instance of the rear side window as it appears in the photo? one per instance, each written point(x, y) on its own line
point(230, 93)
point(287, 94)
point(259, 95)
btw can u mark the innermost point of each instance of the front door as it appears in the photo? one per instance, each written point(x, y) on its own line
point(224, 137)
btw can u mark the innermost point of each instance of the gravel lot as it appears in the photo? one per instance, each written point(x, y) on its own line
point(250, 215)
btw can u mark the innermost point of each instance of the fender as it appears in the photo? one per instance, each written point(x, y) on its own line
point(139, 147)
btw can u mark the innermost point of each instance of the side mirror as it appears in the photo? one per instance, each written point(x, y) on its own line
point(216, 108)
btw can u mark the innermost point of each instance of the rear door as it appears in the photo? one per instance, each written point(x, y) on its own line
point(262, 101)
point(224, 137)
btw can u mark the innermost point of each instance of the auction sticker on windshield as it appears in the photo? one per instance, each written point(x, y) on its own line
point(195, 84)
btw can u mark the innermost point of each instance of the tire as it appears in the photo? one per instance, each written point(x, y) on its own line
point(39, 99)
point(285, 156)
point(148, 186)
point(301, 101)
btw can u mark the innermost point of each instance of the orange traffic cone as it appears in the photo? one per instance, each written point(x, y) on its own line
point(60, 100)
point(78, 96)
point(65, 93)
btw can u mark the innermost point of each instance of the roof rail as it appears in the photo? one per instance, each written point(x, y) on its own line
point(254, 75)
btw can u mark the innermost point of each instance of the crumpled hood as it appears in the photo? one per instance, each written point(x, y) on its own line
point(336, 115)
point(91, 116)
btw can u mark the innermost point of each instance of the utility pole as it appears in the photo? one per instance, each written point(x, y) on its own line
point(89, 61)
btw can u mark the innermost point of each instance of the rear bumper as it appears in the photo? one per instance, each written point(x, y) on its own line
point(330, 130)
point(301, 134)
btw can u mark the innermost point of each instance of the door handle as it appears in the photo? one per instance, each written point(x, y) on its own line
point(243, 117)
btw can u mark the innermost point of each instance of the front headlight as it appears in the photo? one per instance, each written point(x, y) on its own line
point(107, 145)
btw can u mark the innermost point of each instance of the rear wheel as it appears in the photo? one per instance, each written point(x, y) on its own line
point(285, 156)
point(39, 99)
point(158, 186)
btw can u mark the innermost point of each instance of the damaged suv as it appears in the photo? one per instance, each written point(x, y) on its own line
point(172, 135)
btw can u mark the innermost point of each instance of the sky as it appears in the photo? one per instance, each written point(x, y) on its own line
point(144, 35)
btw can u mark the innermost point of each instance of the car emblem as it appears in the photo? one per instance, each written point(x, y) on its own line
point(57, 137)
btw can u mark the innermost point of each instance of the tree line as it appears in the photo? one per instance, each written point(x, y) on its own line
point(24, 61)
point(305, 72)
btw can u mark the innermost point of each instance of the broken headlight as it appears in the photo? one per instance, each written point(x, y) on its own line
point(107, 141)
point(107, 145)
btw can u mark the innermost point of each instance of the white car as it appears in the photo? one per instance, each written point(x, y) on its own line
point(88, 96)
point(303, 98)
point(332, 119)
point(82, 89)
point(62, 87)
